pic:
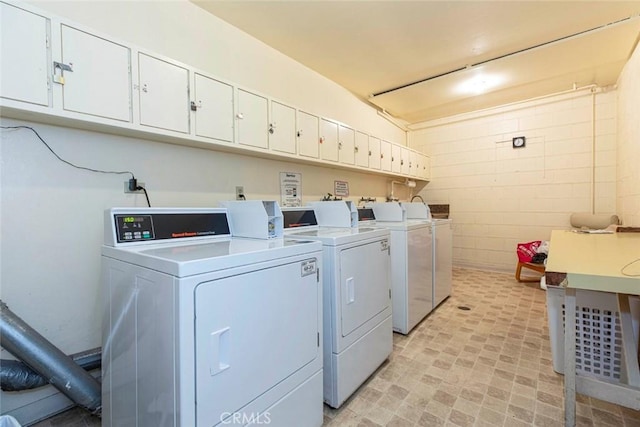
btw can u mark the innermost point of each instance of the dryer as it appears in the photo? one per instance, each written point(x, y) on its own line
point(203, 329)
point(411, 264)
point(357, 322)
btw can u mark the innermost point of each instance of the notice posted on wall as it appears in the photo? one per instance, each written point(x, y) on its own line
point(291, 189)
point(341, 188)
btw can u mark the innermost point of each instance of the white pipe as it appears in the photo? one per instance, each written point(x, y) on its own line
point(593, 151)
point(409, 183)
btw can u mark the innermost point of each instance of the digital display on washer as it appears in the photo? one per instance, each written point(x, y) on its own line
point(137, 228)
point(300, 218)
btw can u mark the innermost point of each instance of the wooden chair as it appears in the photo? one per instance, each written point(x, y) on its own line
point(536, 267)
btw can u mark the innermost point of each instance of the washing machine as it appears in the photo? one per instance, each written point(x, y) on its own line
point(442, 248)
point(411, 263)
point(442, 233)
point(204, 329)
point(358, 335)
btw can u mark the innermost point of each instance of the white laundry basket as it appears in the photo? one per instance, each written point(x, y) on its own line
point(8, 421)
point(598, 334)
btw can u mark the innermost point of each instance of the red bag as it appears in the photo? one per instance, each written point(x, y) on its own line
point(526, 251)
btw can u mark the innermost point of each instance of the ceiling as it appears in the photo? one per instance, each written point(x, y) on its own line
point(422, 60)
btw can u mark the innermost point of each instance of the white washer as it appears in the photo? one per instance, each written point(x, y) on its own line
point(201, 329)
point(442, 232)
point(357, 325)
point(411, 265)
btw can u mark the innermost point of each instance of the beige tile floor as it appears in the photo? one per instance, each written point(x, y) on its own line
point(487, 366)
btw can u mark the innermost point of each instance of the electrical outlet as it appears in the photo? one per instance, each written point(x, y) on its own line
point(240, 192)
point(126, 188)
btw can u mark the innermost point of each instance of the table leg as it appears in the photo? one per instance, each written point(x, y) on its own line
point(629, 344)
point(569, 357)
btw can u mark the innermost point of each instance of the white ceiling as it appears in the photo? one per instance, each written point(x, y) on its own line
point(516, 49)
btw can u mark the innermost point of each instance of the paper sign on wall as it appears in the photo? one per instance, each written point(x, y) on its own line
point(291, 189)
point(341, 188)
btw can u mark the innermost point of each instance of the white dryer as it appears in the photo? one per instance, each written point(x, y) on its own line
point(202, 329)
point(411, 264)
point(357, 324)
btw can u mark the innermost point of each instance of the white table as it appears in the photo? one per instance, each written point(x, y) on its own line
point(597, 262)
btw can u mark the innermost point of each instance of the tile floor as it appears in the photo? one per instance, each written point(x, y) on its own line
point(487, 366)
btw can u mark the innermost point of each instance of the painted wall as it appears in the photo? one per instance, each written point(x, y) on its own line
point(499, 195)
point(628, 182)
point(51, 214)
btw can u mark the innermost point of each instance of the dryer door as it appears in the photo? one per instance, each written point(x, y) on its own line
point(253, 330)
point(364, 283)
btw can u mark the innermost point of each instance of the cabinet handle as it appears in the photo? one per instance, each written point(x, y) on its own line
point(369, 152)
point(382, 156)
point(355, 149)
point(401, 162)
point(299, 134)
point(340, 145)
point(144, 88)
point(393, 159)
point(321, 139)
point(240, 116)
point(272, 128)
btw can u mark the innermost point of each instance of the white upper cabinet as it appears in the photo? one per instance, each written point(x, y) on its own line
point(396, 156)
point(385, 156)
point(346, 145)
point(213, 106)
point(164, 94)
point(52, 68)
point(405, 161)
point(414, 160)
point(252, 120)
point(374, 152)
point(328, 140)
point(361, 149)
point(307, 133)
point(24, 72)
point(282, 128)
point(97, 75)
point(425, 169)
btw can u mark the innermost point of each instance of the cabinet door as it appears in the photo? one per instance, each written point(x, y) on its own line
point(164, 94)
point(252, 118)
point(214, 108)
point(308, 134)
point(385, 156)
point(374, 152)
point(426, 168)
point(414, 163)
point(405, 160)
point(362, 149)
point(24, 72)
point(396, 156)
point(346, 145)
point(282, 128)
point(100, 83)
point(328, 140)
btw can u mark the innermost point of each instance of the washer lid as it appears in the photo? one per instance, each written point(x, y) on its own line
point(332, 236)
point(184, 260)
point(409, 224)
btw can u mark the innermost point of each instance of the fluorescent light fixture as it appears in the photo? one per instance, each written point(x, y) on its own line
point(480, 83)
